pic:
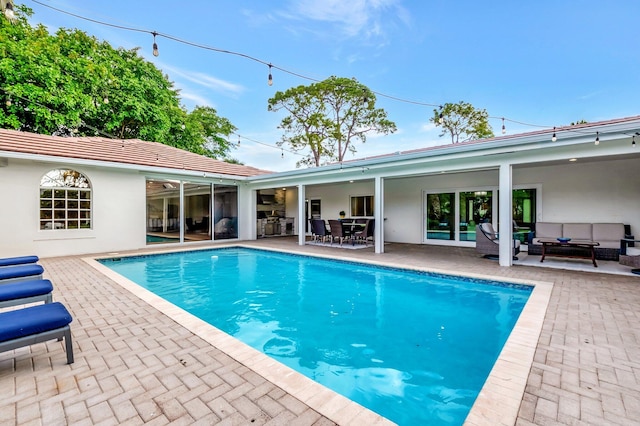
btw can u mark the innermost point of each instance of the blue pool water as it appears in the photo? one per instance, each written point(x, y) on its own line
point(413, 347)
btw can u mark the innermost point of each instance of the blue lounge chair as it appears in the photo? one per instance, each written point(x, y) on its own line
point(36, 324)
point(20, 273)
point(22, 260)
point(20, 293)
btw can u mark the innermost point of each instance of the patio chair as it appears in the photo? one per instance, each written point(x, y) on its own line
point(20, 273)
point(488, 244)
point(366, 233)
point(20, 293)
point(21, 260)
point(36, 324)
point(319, 229)
point(337, 231)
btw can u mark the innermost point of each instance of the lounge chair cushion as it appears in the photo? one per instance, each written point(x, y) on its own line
point(33, 320)
point(22, 260)
point(20, 271)
point(20, 290)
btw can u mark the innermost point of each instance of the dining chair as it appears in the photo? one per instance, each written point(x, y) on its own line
point(337, 231)
point(319, 229)
point(366, 232)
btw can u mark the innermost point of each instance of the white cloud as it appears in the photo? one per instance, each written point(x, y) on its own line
point(196, 99)
point(204, 80)
point(353, 18)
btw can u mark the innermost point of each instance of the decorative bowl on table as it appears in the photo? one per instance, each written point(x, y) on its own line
point(564, 240)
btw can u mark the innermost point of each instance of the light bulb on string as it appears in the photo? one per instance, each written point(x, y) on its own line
point(554, 138)
point(633, 141)
point(504, 129)
point(282, 153)
point(155, 45)
point(440, 117)
point(8, 102)
point(238, 140)
point(597, 138)
point(8, 11)
point(270, 79)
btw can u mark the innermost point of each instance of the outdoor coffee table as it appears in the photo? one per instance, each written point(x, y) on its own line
point(585, 249)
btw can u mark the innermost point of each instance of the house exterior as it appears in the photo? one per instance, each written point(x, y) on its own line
point(145, 193)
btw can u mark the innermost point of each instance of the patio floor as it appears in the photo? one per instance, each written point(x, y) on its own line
point(136, 365)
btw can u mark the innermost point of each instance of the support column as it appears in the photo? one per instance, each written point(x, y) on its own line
point(505, 218)
point(302, 236)
point(378, 214)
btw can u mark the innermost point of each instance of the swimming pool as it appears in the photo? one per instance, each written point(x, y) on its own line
point(414, 347)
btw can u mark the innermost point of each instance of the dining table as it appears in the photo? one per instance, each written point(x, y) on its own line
point(349, 227)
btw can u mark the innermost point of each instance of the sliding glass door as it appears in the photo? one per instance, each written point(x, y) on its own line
point(453, 216)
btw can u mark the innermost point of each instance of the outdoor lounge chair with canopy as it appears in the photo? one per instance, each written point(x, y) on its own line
point(488, 244)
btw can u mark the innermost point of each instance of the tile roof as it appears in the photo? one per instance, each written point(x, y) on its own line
point(127, 151)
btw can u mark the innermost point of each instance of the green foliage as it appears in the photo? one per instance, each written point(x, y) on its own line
point(328, 117)
point(462, 120)
point(70, 83)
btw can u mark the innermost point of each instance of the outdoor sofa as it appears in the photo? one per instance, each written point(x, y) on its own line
point(607, 234)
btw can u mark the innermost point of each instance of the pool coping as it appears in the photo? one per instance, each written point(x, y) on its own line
point(497, 403)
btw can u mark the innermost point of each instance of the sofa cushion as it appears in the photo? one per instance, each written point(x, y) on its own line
point(548, 230)
point(608, 234)
point(577, 231)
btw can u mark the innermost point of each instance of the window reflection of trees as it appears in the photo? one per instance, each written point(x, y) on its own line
point(65, 200)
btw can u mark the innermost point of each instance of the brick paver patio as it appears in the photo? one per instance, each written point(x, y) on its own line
point(135, 365)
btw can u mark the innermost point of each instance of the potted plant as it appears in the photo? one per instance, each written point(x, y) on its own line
point(342, 214)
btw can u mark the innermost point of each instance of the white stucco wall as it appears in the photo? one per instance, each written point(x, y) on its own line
point(336, 197)
point(589, 192)
point(118, 213)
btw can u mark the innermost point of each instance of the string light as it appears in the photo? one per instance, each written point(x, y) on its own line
point(238, 140)
point(633, 141)
point(270, 65)
point(8, 11)
point(155, 45)
point(282, 153)
point(554, 138)
point(504, 129)
point(597, 138)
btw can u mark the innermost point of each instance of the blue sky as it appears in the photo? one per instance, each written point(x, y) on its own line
point(545, 63)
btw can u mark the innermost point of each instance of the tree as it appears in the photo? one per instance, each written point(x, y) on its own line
point(462, 120)
point(204, 133)
point(328, 117)
point(72, 84)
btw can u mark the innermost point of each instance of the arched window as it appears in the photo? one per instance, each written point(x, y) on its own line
point(65, 200)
